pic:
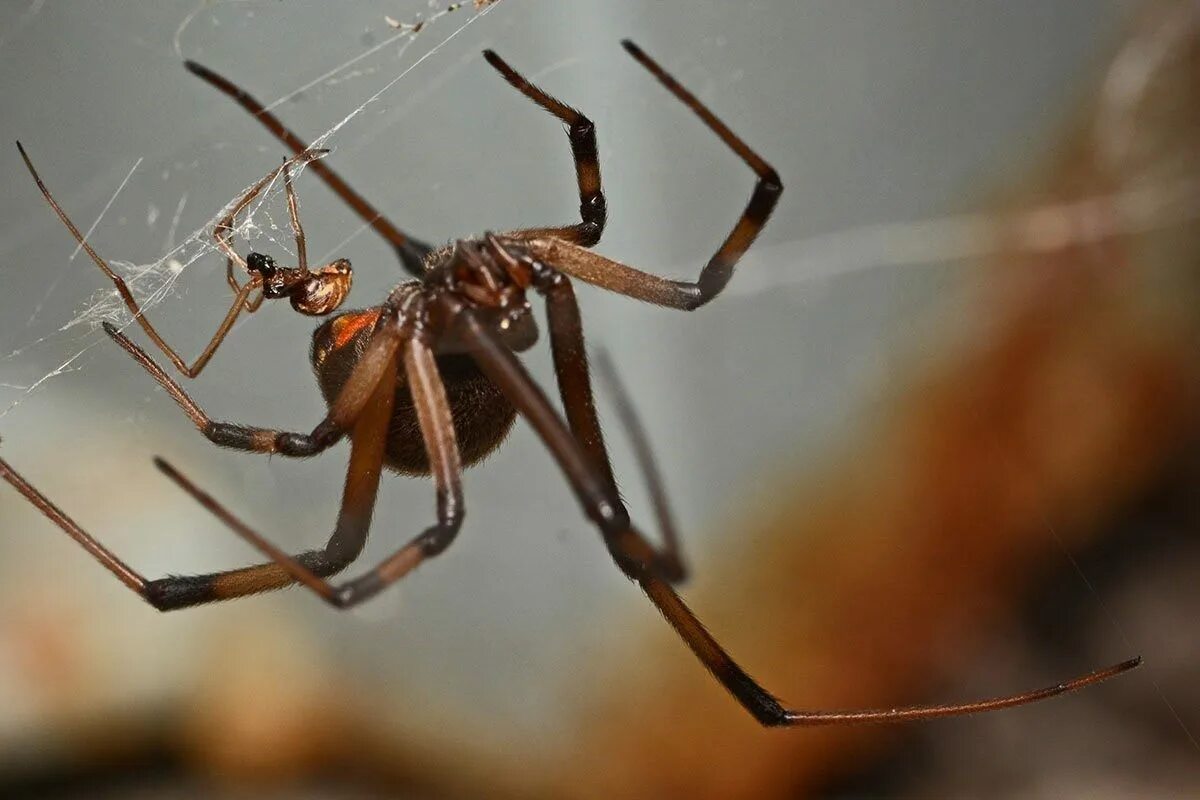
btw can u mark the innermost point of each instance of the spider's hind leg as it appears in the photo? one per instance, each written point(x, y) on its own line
point(180, 591)
point(575, 388)
point(437, 429)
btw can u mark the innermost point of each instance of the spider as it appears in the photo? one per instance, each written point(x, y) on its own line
point(428, 382)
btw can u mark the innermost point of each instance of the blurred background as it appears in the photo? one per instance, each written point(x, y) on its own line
point(938, 439)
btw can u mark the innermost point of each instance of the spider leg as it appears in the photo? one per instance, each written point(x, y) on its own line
point(582, 134)
point(574, 384)
point(637, 558)
point(224, 229)
point(437, 429)
point(342, 413)
point(180, 591)
point(410, 251)
point(250, 305)
point(351, 409)
point(671, 564)
point(240, 301)
point(294, 216)
point(640, 285)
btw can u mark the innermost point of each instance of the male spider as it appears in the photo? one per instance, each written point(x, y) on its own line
point(428, 382)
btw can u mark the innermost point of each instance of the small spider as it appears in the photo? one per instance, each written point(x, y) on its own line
point(428, 382)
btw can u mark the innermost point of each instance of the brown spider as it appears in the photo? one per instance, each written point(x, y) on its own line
point(428, 382)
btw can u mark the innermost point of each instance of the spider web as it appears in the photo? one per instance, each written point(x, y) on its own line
point(409, 42)
point(1152, 197)
point(1149, 195)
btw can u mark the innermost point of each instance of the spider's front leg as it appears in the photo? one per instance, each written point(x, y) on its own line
point(593, 209)
point(687, 295)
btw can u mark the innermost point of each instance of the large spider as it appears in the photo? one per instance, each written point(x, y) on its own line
point(428, 382)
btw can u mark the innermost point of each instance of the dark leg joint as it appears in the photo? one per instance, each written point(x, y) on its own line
point(322, 438)
point(437, 538)
point(694, 295)
point(226, 434)
point(179, 591)
point(183, 591)
point(412, 255)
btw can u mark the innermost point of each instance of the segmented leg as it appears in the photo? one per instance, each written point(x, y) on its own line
point(437, 429)
point(342, 413)
point(240, 302)
point(687, 295)
point(574, 384)
point(358, 408)
point(637, 558)
point(181, 591)
point(410, 251)
point(582, 134)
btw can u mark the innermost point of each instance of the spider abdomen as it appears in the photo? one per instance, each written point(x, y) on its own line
point(482, 417)
point(481, 413)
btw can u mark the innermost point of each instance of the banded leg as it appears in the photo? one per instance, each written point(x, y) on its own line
point(181, 591)
point(593, 210)
point(410, 251)
point(437, 429)
point(686, 295)
point(374, 372)
point(342, 413)
point(636, 558)
point(239, 302)
point(575, 387)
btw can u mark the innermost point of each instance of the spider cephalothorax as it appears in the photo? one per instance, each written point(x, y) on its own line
point(313, 293)
point(427, 382)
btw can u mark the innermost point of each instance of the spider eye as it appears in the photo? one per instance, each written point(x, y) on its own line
point(263, 265)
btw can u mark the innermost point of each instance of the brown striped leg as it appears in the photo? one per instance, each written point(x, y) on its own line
point(575, 387)
point(181, 591)
point(375, 369)
point(437, 429)
point(342, 412)
point(671, 564)
point(240, 301)
point(410, 251)
point(636, 558)
point(635, 283)
point(582, 134)
point(369, 404)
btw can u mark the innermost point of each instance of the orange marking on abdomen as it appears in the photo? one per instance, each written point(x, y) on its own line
point(347, 327)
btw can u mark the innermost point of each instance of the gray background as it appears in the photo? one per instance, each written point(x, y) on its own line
point(871, 111)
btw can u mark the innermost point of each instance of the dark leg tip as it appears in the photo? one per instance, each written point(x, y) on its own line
point(342, 598)
point(110, 329)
